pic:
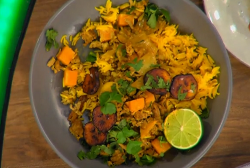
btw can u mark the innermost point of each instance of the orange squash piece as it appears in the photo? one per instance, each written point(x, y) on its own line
point(106, 32)
point(123, 19)
point(146, 128)
point(149, 97)
point(160, 147)
point(66, 55)
point(136, 105)
point(70, 78)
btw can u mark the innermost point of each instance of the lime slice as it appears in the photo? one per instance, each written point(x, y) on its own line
point(183, 128)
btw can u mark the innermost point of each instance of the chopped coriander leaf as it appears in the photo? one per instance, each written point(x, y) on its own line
point(150, 79)
point(181, 96)
point(166, 14)
point(147, 160)
point(162, 139)
point(137, 65)
point(122, 123)
point(152, 13)
point(113, 134)
point(104, 97)
point(51, 39)
point(205, 113)
point(130, 89)
point(131, 9)
point(161, 83)
point(81, 155)
point(124, 52)
point(115, 96)
point(155, 65)
point(108, 108)
point(121, 138)
point(92, 154)
point(152, 21)
point(91, 57)
point(113, 88)
point(127, 73)
point(128, 132)
point(107, 150)
point(162, 155)
point(145, 87)
point(133, 147)
point(193, 87)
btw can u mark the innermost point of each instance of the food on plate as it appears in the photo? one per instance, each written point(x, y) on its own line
point(141, 77)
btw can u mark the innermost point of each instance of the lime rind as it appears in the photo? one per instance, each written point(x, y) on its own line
point(180, 119)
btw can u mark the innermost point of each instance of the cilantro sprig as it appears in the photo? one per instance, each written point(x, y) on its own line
point(181, 96)
point(152, 12)
point(133, 147)
point(91, 57)
point(106, 98)
point(125, 87)
point(155, 65)
point(152, 84)
point(95, 151)
point(121, 132)
point(205, 113)
point(51, 39)
point(137, 65)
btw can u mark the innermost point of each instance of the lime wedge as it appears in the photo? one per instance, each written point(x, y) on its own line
point(183, 128)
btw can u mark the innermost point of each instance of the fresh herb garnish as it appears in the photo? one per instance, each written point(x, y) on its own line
point(130, 89)
point(95, 151)
point(145, 88)
point(150, 84)
point(133, 147)
point(51, 39)
point(124, 134)
point(131, 9)
point(137, 65)
point(147, 160)
point(166, 14)
point(181, 96)
point(205, 113)
point(162, 139)
point(91, 57)
point(155, 65)
point(92, 154)
point(163, 85)
point(152, 12)
point(106, 98)
point(124, 52)
point(121, 49)
point(127, 73)
point(161, 155)
point(193, 87)
point(125, 87)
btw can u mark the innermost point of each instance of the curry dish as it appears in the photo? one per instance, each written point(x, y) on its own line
point(139, 70)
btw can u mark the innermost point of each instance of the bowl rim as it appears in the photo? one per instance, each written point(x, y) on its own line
point(228, 101)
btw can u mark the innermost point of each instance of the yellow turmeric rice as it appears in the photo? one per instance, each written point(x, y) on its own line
point(139, 71)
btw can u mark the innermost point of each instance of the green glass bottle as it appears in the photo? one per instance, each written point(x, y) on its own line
point(14, 19)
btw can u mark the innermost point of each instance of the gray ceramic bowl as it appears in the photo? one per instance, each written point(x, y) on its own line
point(45, 86)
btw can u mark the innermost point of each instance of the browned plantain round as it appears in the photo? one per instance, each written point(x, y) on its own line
point(184, 82)
point(93, 136)
point(158, 72)
point(91, 81)
point(104, 122)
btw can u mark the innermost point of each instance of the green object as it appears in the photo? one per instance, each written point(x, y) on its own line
point(183, 128)
point(14, 19)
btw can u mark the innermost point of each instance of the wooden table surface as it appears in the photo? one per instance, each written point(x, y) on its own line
point(25, 146)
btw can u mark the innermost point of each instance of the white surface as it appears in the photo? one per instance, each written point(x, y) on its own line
point(231, 18)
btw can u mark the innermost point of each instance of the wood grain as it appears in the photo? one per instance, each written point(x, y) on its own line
point(25, 147)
